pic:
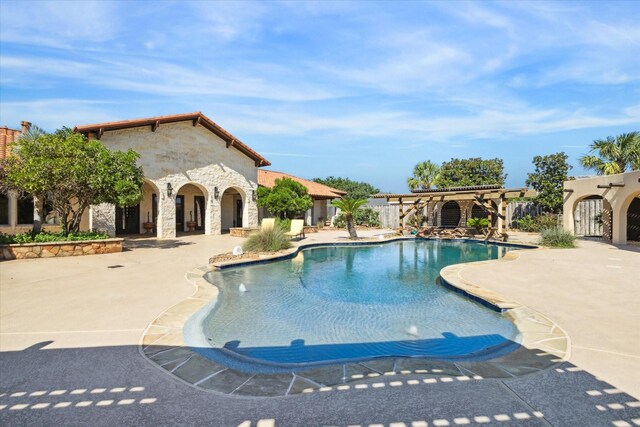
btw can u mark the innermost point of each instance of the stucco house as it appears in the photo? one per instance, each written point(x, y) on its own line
point(198, 177)
point(620, 195)
point(320, 193)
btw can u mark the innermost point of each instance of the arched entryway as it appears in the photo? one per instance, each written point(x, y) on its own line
point(140, 218)
point(633, 220)
point(191, 208)
point(450, 214)
point(232, 208)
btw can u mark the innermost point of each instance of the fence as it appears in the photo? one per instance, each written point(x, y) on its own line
point(587, 215)
point(588, 218)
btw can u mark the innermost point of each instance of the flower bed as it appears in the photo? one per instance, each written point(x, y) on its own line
point(59, 249)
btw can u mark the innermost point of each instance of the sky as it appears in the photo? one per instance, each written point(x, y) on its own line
point(363, 90)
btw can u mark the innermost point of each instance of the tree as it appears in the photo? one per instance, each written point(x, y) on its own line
point(287, 198)
point(424, 176)
point(354, 189)
point(74, 173)
point(468, 172)
point(614, 155)
point(348, 208)
point(548, 179)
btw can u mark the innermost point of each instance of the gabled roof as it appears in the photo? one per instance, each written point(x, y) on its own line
point(316, 190)
point(196, 118)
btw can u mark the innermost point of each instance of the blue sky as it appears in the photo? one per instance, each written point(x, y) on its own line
point(355, 89)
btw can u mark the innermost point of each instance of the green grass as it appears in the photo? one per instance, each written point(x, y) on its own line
point(557, 237)
point(271, 240)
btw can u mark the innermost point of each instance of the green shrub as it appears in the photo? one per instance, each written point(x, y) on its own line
point(526, 223)
point(45, 237)
point(363, 216)
point(270, 240)
point(6, 239)
point(557, 237)
point(416, 220)
point(546, 221)
point(285, 224)
point(478, 223)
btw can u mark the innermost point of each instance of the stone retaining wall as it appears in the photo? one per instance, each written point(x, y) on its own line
point(58, 249)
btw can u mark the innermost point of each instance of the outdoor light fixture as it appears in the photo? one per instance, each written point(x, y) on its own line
point(169, 189)
point(253, 195)
point(216, 193)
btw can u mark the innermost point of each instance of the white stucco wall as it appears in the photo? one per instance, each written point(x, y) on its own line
point(179, 153)
point(618, 198)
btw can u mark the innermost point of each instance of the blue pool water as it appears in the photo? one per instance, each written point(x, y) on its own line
point(348, 303)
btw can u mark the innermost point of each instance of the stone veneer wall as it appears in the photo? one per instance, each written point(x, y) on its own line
point(180, 154)
point(59, 249)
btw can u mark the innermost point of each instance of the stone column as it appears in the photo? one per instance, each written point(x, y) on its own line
point(13, 210)
point(213, 217)
point(102, 217)
point(250, 214)
point(166, 216)
point(38, 213)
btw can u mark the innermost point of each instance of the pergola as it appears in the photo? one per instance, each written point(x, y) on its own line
point(491, 198)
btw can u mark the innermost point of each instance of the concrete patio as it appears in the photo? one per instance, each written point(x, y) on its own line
point(70, 330)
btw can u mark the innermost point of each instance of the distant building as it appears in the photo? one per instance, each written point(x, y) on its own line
point(320, 193)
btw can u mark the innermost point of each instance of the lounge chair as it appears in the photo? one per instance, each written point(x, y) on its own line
point(297, 229)
point(267, 224)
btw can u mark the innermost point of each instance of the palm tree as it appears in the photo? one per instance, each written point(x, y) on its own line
point(614, 155)
point(349, 207)
point(424, 175)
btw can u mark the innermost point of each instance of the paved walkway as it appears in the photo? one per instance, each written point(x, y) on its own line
point(70, 327)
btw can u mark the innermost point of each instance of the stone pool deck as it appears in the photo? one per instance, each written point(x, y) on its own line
point(70, 330)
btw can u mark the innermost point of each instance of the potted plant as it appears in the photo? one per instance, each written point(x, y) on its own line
point(191, 224)
point(320, 222)
point(148, 225)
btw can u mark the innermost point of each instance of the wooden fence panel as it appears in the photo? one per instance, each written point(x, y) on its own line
point(586, 217)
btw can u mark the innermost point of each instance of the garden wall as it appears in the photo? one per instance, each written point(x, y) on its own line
point(59, 249)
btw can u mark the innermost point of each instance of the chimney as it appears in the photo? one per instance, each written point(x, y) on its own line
point(25, 126)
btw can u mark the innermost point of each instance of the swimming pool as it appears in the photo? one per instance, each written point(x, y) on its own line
point(335, 304)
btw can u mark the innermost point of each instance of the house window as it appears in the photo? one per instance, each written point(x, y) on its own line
point(50, 216)
point(4, 210)
point(25, 210)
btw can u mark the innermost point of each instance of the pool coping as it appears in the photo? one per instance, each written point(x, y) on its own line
point(543, 343)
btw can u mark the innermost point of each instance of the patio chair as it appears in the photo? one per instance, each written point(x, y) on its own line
point(297, 229)
point(267, 224)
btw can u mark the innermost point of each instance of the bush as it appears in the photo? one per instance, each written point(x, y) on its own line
point(478, 223)
point(557, 237)
point(546, 221)
point(416, 220)
point(539, 223)
point(363, 216)
point(285, 224)
point(45, 237)
point(526, 223)
point(270, 240)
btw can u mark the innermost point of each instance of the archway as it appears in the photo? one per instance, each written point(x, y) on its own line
point(191, 208)
point(591, 218)
point(633, 220)
point(232, 208)
point(450, 214)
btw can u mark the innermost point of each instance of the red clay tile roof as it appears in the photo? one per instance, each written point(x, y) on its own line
point(197, 118)
point(315, 189)
point(7, 136)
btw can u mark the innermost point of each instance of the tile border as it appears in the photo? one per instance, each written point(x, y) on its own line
point(543, 343)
